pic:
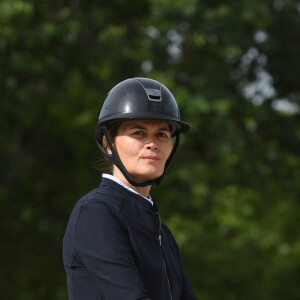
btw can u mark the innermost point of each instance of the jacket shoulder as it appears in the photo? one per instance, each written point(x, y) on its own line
point(103, 195)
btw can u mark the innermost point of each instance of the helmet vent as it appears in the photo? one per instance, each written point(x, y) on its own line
point(153, 94)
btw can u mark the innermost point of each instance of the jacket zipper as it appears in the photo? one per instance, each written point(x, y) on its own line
point(160, 241)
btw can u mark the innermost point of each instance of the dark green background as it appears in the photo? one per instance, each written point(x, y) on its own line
point(232, 195)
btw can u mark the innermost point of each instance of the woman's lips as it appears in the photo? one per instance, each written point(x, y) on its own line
point(153, 158)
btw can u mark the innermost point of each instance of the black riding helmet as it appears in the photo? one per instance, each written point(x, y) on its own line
point(138, 98)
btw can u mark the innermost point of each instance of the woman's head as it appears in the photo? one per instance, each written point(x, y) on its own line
point(143, 146)
point(145, 102)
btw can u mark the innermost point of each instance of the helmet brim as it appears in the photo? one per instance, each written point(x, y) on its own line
point(176, 124)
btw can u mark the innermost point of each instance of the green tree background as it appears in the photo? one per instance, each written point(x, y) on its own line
point(232, 195)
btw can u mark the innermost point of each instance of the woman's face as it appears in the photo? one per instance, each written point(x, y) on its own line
point(143, 147)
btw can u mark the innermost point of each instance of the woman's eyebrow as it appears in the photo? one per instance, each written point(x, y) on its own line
point(137, 127)
point(141, 127)
point(164, 129)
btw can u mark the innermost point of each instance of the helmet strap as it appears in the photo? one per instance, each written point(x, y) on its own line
point(170, 159)
point(115, 159)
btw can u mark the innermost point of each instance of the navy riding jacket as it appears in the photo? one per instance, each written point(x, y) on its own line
point(116, 248)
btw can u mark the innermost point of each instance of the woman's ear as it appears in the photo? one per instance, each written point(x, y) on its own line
point(108, 150)
point(105, 145)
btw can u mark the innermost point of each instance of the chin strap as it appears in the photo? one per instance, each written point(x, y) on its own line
point(115, 159)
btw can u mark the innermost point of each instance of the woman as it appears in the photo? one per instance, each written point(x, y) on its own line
point(115, 246)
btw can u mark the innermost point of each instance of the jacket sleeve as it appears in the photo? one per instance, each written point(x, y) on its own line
point(103, 247)
point(187, 291)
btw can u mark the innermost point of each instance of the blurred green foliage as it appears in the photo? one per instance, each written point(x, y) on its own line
point(232, 194)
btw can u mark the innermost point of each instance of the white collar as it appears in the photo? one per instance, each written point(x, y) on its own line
point(117, 180)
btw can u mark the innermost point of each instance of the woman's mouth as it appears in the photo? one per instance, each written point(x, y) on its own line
point(151, 158)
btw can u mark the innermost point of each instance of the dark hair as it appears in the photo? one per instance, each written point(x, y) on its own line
point(112, 133)
point(105, 165)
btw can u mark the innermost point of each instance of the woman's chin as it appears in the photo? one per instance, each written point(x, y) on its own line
point(146, 176)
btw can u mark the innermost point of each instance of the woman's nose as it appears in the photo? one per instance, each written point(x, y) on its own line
point(151, 146)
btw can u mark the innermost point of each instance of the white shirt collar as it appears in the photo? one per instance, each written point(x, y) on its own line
point(115, 179)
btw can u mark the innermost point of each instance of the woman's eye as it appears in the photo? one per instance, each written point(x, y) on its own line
point(163, 134)
point(138, 133)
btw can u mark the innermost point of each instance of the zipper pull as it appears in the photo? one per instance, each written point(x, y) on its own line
point(159, 238)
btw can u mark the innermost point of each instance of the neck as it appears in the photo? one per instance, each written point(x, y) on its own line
point(143, 190)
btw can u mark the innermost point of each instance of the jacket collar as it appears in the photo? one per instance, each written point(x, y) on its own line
point(134, 196)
